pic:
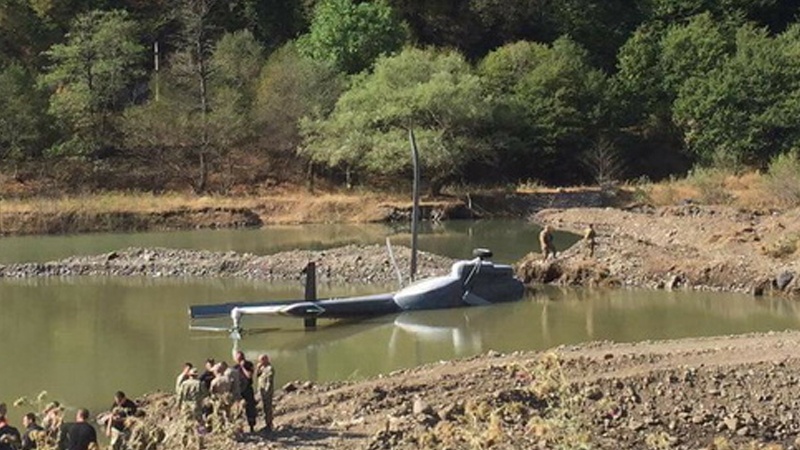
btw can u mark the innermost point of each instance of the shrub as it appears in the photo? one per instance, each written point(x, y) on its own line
point(783, 179)
point(710, 184)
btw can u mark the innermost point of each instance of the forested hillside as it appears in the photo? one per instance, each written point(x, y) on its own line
point(225, 95)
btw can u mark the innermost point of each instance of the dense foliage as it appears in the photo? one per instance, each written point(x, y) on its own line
point(212, 94)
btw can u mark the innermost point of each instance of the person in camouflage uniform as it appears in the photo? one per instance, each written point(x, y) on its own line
point(266, 388)
point(221, 391)
point(191, 395)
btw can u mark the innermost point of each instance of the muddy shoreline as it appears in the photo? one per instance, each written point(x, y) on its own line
point(704, 393)
point(679, 247)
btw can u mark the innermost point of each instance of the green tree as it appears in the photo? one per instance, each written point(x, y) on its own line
point(745, 110)
point(775, 14)
point(432, 92)
point(203, 112)
point(275, 22)
point(190, 73)
point(91, 77)
point(22, 36)
point(653, 66)
point(476, 27)
point(599, 26)
point(23, 115)
point(550, 106)
point(235, 66)
point(352, 35)
point(692, 49)
point(293, 87)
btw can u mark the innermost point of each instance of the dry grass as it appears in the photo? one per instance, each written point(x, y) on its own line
point(114, 202)
point(747, 190)
point(541, 415)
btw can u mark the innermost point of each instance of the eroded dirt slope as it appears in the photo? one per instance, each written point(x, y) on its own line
point(712, 247)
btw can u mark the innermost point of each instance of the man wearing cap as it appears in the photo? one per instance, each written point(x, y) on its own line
point(9, 436)
point(191, 394)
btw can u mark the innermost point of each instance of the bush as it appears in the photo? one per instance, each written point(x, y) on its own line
point(710, 184)
point(783, 179)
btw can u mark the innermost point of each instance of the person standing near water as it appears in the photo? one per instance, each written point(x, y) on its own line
point(32, 429)
point(9, 436)
point(589, 236)
point(266, 388)
point(546, 242)
point(78, 435)
point(246, 370)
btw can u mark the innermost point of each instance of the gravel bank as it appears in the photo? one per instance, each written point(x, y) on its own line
point(348, 264)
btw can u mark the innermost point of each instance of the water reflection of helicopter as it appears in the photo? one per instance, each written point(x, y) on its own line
point(414, 334)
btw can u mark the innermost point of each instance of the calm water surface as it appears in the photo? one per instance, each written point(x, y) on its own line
point(81, 339)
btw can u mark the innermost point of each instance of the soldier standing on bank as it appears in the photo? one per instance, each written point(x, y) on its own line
point(589, 236)
point(191, 395)
point(266, 388)
point(546, 242)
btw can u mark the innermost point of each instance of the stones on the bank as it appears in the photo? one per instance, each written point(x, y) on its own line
point(783, 279)
point(593, 393)
point(674, 282)
point(566, 270)
point(351, 264)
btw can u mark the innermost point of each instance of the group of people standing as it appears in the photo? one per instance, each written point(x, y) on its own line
point(77, 435)
point(222, 390)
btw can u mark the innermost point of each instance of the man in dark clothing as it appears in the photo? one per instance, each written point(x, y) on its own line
point(246, 369)
point(208, 374)
point(122, 408)
point(31, 430)
point(78, 435)
point(9, 436)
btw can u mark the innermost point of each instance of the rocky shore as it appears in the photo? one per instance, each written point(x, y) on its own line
point(687, 246)
point(730, 392)
point(348, 264)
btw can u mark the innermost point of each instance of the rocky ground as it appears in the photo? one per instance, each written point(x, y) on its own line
point(688, 246)
point(722, 392)
point(348, 264)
